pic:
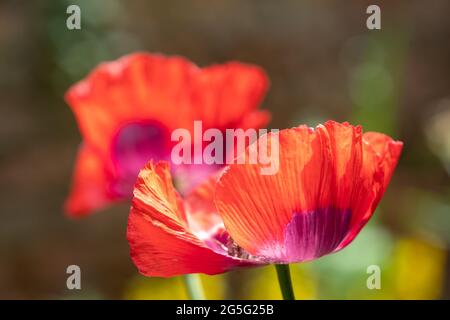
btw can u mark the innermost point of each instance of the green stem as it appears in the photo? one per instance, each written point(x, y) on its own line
point(194, 287)
point(284, 279)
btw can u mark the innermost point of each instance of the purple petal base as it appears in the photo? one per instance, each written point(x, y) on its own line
point(135, 144)
point(311, 235)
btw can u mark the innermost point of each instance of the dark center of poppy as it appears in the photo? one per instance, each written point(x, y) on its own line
point(134, 145)
point(313, 234)
point(221, 242)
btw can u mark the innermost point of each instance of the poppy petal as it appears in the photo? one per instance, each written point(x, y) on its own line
point(162, 252)
point(388, 152)
point(257, 208)
point(328, 184)
point(381, 155)
point(133, 88)
point(89, 189)
point(225, 94)
point(256, 119)
point(151, 86)
point(161, 243)
point(202, 213)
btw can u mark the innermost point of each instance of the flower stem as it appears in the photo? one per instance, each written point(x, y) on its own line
point(284, 279)
point(194, 286)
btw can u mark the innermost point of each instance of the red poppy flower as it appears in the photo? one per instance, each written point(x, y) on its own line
point(328, 184)
point(127, 109)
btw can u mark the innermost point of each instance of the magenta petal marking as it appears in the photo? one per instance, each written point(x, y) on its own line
point(134, 145)
point(313, 234)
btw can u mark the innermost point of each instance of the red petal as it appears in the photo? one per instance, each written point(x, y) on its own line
point(256, 119)
point(89, 186)
point(387, 152)
point(161, 243)
point(256, 208)
point(203, 214)
point(328, 180)
point(161, 252)
point(381, 155)
point(145, 86)
point(134, 88)
point(222, 95)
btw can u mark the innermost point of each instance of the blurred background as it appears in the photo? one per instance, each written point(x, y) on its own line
point(323, 64)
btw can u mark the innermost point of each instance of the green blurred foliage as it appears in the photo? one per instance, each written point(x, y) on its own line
point(375, 83)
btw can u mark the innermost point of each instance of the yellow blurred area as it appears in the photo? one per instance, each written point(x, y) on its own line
point(142, 288)
point(418, 269)
point(415, 271)
point(258, 284)
point(263, 284)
